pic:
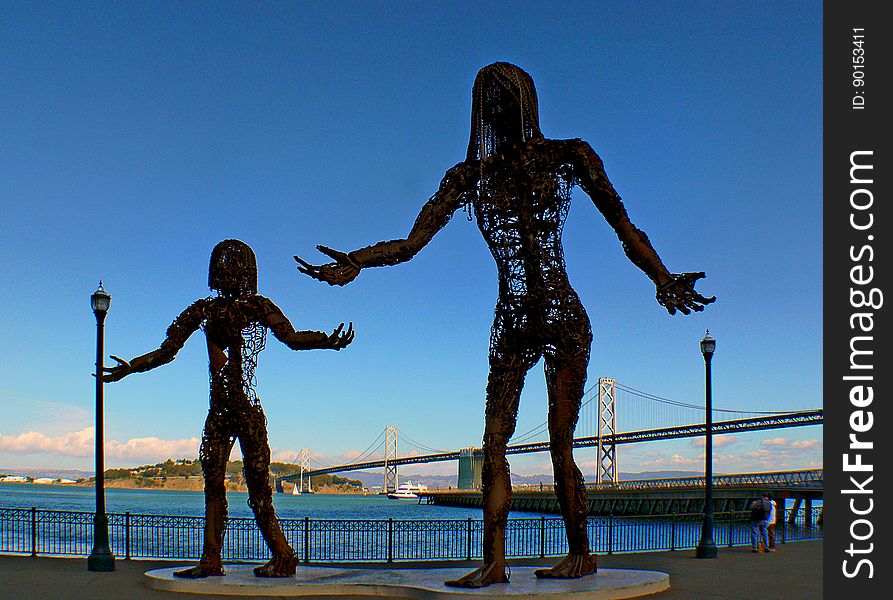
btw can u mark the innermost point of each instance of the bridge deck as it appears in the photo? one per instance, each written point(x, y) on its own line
point(731, 493)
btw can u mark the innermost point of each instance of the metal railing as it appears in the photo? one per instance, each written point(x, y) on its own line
point(45, 532)
point(801, 478)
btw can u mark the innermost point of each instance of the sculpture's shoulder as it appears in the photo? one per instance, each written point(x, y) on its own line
point(562, 156)
point(461, 176)
point(260, 306)
point(198, 310)
point(564, 149)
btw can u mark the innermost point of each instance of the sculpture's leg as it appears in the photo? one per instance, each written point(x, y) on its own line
point(565, 378)
point(503, 393)
point(214, 452)
point(256, 457)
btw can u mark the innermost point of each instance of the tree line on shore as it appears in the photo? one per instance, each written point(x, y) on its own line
point(157, 474)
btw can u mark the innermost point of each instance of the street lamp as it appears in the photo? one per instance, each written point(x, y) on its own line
point(706, 546)
point(101, 557)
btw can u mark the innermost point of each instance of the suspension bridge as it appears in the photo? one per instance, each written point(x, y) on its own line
point(645, 417)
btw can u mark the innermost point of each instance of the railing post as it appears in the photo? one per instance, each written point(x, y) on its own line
point(784, 521)
point(542, 537)
point(390, 539)
point(611, 533)
point(306, 539)
point(127, 535)
point(672, 532)
point(731, 519)
point(33, 531)
point(468, 540)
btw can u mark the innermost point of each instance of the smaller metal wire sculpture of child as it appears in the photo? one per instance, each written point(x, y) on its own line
point(235, 324)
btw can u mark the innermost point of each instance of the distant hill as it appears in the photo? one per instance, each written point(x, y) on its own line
point(369, 479)
point(73, 474)
point(372, 479)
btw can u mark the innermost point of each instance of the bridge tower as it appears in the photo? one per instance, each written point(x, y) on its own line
point(390, 453)
point(471, 464)
point(305, 468)
point(606, 469)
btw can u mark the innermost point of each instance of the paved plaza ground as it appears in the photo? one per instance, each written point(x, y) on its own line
point(792, 573)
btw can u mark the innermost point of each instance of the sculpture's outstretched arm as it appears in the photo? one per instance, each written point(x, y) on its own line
point(183, 326)
point(272, 317)
point(433, 217)
point(674, 291)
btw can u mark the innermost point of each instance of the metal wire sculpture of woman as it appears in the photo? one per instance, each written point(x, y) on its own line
point(516, 184)
point(235, 324)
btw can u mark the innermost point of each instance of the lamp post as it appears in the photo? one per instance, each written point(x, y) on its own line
point(101, 557)
point(706, 546)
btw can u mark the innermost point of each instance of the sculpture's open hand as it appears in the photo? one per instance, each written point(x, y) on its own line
point(116, 373)
point(341, 272)
point(679, 294)
point(338, 340)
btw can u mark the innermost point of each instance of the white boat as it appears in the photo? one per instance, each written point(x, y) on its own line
point(295, 491)
point(407, 491)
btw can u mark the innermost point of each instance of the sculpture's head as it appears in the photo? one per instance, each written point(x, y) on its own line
point(504, 110)
point(233, 269)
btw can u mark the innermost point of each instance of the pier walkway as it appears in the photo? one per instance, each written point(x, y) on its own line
point(737, 574)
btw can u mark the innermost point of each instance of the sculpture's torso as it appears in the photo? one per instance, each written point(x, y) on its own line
point(226, 320)
point(521, 209)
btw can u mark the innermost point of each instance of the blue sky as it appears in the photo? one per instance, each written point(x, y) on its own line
point(136, 136)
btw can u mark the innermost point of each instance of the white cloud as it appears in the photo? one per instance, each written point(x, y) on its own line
point(774, 454)
point(674, 462)
point(718, 442)
point(786, 445)
point(75, 443)
point(803, 444)
point(151, 449)
point(80, 443)
point(775, 442)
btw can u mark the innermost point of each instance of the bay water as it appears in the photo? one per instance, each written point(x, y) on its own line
point(180, 503)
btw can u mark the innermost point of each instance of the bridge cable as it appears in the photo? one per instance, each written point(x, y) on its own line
point(662, 400)
point(419, 445)
point(375, 445)
point(543, 427)
point(362, 456)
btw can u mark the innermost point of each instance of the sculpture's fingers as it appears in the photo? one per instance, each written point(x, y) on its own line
point(310, 273)
point(304, 263)
point(121, 362)
point(333, 254)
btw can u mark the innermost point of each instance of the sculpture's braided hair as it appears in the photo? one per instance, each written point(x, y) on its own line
point(517, 82)
point(491, 85)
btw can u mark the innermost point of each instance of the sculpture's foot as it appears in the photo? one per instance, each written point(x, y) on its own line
point(200, 571)
point(571, 566)
point(281, 565)
point(489, 573)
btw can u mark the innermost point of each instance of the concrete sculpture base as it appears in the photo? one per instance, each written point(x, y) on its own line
point(412, 584)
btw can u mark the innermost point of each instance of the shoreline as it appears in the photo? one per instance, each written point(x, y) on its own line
point(178, 485)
